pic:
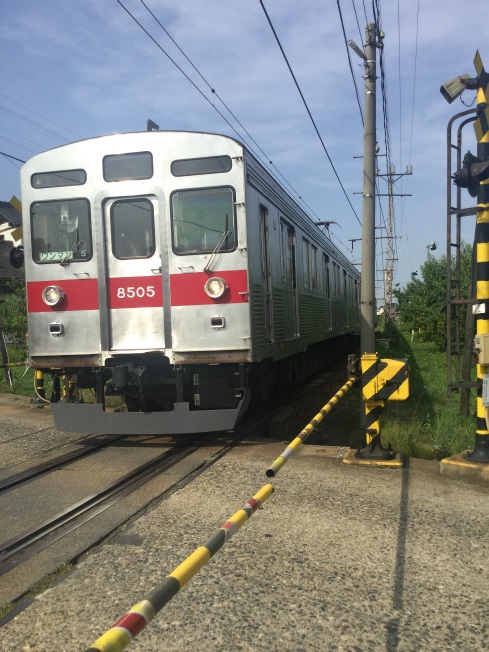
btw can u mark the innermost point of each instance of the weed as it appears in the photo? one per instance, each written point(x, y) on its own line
point(428, 423)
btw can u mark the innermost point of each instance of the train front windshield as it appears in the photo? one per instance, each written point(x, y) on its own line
point(61, 231)
point(203, 220)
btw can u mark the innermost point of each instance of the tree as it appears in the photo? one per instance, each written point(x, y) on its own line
point(13, 311)
point(422, 303)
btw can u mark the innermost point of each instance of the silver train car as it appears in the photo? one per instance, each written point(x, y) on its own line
point(171, 269)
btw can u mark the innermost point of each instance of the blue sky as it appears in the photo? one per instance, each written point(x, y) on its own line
point(74, 69)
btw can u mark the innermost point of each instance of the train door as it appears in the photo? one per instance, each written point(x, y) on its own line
point(289, 280)
point(265, 273)
point(327, 292)
point(134, 281)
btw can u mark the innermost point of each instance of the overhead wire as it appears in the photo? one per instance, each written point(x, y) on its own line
point(349, 58)
point(39, 115)
point(308, 110)
point(414, 83)
point(31, 124)
point(11, 158)
point(412, 127)
point(358, 22)
point(399, 75)
point(13, 133)
point(215, 94)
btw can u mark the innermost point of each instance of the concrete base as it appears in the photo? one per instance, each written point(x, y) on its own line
point(459, 467)
point(351, 458)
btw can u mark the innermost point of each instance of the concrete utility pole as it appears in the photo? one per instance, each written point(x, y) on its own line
point(367, 296)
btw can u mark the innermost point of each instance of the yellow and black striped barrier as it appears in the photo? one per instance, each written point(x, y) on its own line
point(383, 380)
point(296, 444)
point(135, 620)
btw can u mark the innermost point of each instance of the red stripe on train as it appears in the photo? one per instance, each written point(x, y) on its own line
point(188, 289)
point(139, 291)
point(80, 294)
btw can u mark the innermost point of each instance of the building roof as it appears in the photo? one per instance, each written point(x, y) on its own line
point(9, 214)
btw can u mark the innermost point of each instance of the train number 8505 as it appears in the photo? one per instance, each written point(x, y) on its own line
point(132, 292)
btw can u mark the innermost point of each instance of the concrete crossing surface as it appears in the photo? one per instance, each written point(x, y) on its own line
point(339, 558)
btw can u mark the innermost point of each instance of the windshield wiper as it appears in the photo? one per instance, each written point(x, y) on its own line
point(217, 249)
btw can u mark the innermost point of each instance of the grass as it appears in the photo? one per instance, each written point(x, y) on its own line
point(22, 377)
point(428, 424)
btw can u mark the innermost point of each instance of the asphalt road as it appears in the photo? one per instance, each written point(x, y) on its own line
point(339, 558)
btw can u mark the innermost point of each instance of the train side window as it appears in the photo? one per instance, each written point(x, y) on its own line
point(326, 281)
point(203, 221)
point(287, 255)
point(132, 227)
point(336, 270)
point(58, 179)
point(207, 165)
point(61, 231)
point(127, 167)
point(314, 268)
point(306, 252)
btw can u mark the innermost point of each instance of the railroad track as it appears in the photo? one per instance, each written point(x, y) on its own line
point(29, 543)
point(23, 477)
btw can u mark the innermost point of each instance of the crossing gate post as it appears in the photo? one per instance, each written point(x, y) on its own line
point(382, 380)
point(481, 127)
point(474, 175)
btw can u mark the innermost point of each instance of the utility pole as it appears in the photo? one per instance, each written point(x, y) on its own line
point(382, 380)
point(367, 295)
point(389, 271)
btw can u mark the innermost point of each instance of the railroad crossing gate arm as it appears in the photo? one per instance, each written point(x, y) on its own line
point(384, 379)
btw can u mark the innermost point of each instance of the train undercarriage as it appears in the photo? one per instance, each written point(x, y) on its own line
point(142, 395)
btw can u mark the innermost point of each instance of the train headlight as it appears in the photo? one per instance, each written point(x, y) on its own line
point(215, 287)
point(53, 295)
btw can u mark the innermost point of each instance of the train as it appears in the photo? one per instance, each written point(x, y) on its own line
point(172, 270)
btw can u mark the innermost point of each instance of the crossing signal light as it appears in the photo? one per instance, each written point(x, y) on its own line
point(472, 172)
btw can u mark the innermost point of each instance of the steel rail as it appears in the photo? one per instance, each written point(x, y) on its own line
point(23, 477)
point(31, 542)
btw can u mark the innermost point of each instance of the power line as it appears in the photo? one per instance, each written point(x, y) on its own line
point(213, 91)
point(358, 22)
point(11, 159)
point(349, 57)
point(399, 72)
point(31, 124)
point(414, 83)
point(39, 115)
point(307, 109)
